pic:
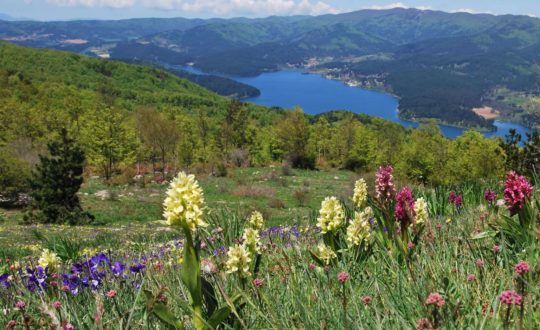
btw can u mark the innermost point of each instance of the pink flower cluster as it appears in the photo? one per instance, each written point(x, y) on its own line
point(455, 199)
point(516, 191)
point(435, 299)
point(343, 277)
point(522, 267)
point(424, 324)
point(490, 196)
point(384, 183)
point(510, 297)
point(404, 211)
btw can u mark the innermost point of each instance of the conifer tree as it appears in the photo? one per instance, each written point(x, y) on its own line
point(55, 183)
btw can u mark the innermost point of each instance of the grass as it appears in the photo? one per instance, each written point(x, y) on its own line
point(135, 211)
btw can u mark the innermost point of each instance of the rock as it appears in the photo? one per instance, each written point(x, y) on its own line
point(103, 194)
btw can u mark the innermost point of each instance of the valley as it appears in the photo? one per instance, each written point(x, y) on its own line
point(407, 52)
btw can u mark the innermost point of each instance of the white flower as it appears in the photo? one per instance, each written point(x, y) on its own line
point(331, 215)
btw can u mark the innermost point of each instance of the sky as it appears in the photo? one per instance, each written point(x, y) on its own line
point(120, 9)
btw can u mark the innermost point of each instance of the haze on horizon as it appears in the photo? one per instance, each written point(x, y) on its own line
point(121, 9)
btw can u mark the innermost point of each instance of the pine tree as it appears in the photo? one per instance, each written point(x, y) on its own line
point(55, 184)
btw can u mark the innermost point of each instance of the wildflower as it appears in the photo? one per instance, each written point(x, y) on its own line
point(326, 254)
point(11, 324)
point(343, 277)
point(471, 278)
point(435, 299)
point(256, 220)
point(455, 199)
point(404, 211)
point(360, 193)
point(208, 267)
point(67, 326)
point(184, 203)
point(366, 300)
point(517, 190)
point(496, 249)
point(111, 294)
point(424, 324)
point(20, 305)
point(359, 229)
point(421, 210)
point(49, 260)
point(410, 245)
point(252, 240)
point(56, 304)
point(258, 282)
point(312, 266)
point(522, 267)
point(384, 183)
point(479, 263)
point(490, 196)
point(331, 215)
point(238, 261)
point(510, 297)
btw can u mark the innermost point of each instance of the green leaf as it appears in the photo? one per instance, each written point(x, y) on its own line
point(191, 272)
point(317, 259)
point(485, 234)
point(209, 296)
point(163, 313)
point(219, 316)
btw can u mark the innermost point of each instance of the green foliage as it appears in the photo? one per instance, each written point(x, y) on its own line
point(14, 175)
point(56, 182)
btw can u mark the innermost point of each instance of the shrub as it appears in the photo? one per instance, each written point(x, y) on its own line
point(305, 162)
point(239, 157)
point(276, 203)
point(220, 170)
point(302, 195)
point(254, 191)
point(286, 170)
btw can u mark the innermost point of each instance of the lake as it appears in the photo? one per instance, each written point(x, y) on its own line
point(316, 94)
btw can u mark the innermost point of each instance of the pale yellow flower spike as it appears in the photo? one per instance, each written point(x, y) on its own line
point(49, 259)
point(325, 253)
point(421, 210)
point(256, 220)
point(184, 203)
point(238, 261)
point(359, 229)
point(331, 215)
point(360, 193)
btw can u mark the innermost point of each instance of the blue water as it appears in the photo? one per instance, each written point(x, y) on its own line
point(315, 94)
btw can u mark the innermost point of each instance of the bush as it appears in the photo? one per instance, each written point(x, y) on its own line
point(354, 164)
point(305, 162)
point(239, 158)
point(302, 195)
point(276, 203)
point(220, 171)
point(286, 170)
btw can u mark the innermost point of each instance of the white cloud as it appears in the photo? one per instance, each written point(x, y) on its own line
point(398, 5)
point(219, 7)
point(470, 11)
point(93, 3)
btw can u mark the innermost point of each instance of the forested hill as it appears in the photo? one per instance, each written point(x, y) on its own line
point(41, 90)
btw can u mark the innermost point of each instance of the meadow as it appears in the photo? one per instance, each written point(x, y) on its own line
point(452, 261)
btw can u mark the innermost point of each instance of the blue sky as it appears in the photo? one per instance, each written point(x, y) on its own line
point(117, 9)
